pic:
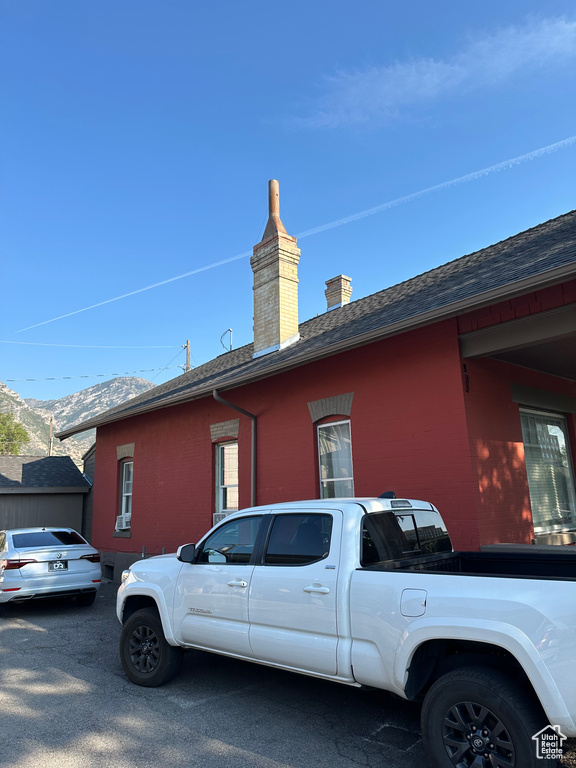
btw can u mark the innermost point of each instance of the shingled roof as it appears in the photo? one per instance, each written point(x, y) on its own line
point(534, 259)
point(31, 473)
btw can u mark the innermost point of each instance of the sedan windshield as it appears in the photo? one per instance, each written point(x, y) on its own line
point(36, 539)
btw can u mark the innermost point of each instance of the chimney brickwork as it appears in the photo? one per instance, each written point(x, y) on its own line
point(338, 291)
point(275, 267)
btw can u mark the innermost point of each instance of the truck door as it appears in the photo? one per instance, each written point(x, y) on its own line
point(293, 596)
point(211, 601)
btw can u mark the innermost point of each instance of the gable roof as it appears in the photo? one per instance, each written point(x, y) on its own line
point(37, 472)
point(541, 256)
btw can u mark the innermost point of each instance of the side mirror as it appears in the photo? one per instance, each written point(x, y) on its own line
point(186, 553)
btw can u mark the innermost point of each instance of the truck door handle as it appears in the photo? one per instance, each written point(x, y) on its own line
point(237, 583)
point(318, 588)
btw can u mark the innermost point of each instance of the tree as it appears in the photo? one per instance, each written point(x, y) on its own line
point(12, 435)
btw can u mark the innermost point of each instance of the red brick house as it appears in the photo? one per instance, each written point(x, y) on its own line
point(457, 386)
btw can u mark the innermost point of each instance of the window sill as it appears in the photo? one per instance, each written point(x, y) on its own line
point(122, 534)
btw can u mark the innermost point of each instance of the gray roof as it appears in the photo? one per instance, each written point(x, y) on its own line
point(50, 472)
point(538, 257)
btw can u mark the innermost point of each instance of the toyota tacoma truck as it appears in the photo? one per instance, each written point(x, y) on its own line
point(369, 592)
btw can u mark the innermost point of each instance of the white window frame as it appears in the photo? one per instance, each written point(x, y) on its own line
point(124, 520)
point(221, 487)
point(565, 525)
point(324, 480)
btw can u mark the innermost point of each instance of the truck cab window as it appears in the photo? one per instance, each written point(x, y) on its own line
point(233, 542)
point(391, 536)
point(299, 539)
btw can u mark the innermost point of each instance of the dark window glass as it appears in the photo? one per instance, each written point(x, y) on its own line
point(299, 539)
point(46, 539)
point(389, 535)
point(233, 542)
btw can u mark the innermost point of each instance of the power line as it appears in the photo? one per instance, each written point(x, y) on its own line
point(170, 363)
point(84, 346)
point(533, 155)
point(97, 375)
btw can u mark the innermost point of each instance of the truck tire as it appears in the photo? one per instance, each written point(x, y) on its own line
point(146, 657)
point(478, 717)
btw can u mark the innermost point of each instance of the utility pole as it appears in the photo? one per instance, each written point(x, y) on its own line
point(51, 440)
point(187, 347)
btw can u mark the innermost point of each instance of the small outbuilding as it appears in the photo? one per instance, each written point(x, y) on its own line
point(41, 491)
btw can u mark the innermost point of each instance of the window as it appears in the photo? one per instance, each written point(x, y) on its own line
point(232, 543)
point(36, 539)
point(335, 455)
point(299, 539)
point(227, 477)
point(390, 535)
point(123, 521)
point(549, 468)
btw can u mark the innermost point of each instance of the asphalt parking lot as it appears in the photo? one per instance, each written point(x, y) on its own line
point(66, 702)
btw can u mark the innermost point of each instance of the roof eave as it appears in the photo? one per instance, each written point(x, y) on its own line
point(24, 490)
point(510, 290)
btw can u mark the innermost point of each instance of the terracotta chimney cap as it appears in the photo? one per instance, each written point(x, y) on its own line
point(274, 224)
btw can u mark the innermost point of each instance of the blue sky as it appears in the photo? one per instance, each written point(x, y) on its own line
point(138, 138)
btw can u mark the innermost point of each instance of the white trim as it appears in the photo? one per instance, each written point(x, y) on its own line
point(334, 479)
point(123, 520)
point(220, 486)
point(276, 347)
point(561, 525)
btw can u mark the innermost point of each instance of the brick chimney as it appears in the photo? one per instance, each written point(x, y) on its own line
point(275, 266)
point(338, 291)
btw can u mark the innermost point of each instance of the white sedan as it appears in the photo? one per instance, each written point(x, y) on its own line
point(47, 562)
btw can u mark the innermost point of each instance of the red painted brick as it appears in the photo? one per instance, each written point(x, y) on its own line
point(550, 298)
point(414, 431)
point(569, 292)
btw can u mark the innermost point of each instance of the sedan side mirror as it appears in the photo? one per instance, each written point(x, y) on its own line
point(186, 553)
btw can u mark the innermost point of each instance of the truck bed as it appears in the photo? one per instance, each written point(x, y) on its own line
point(522, 565)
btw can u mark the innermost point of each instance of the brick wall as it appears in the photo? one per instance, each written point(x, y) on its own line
point(419, 428)
point(409, 435)
point(496, 446)
point(529, 304)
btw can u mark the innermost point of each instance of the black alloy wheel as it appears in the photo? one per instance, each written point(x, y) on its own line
point(144, 649)
point(147, 658)
point(472, 734)
point(477, 717)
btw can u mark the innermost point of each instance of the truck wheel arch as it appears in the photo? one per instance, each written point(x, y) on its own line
point(502, 645)
point(135, 603)
point(435, 658)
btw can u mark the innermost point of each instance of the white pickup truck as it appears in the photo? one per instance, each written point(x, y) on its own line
point(368, 592)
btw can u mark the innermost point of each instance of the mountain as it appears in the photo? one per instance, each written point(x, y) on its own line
point(72, 409)
point(35, 423)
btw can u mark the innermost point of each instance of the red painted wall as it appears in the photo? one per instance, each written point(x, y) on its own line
point(497, 450)
point(409, 435)
point(496, 447)
point(529, 304)
point(415, 430)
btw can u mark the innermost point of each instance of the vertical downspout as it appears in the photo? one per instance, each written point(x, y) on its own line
point(251, 416)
